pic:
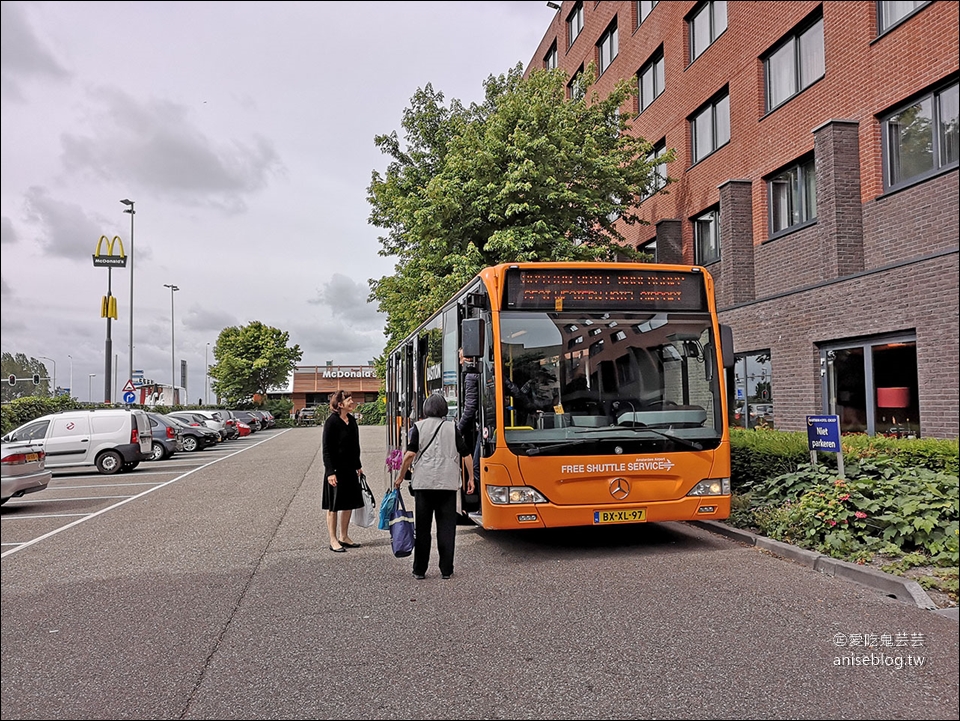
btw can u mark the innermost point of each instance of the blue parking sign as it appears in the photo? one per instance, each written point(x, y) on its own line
point(823, 433)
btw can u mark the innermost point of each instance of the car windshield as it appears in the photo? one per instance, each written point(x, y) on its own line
point(639, 382)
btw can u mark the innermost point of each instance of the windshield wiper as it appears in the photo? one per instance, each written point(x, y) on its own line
point(638, 426)
point(537, 450)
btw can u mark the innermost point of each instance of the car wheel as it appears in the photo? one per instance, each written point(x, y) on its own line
point(157, 453)
point(189, 444)
point(109, 463)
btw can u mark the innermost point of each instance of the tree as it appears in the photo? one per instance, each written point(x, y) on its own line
point(22, 367)
point(250, 360)
point(527, 175)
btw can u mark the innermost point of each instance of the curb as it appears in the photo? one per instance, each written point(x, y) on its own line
point(902, 589)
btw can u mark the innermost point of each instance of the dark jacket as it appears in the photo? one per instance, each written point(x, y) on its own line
point(471, 401)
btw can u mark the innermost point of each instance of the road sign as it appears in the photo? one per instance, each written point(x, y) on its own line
point(823, 434)
point(129, 397)
point(128, 386)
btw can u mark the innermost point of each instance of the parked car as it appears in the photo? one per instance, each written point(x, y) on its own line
point(250, 419)
point(243, 429)
point(167, 438)
point(112, 439)
point(22, 470)
point(268, 418)
point(196, 438)
point(228, 422)
point(192, 418)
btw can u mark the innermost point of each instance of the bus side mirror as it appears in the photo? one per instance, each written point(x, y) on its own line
point(471, 331)
point(726, 346)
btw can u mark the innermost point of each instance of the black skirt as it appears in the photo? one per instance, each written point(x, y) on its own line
point(345, 496)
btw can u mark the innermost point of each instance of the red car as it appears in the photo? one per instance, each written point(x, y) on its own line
point(243, 428)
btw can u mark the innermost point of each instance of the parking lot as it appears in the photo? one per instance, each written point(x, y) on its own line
point(77, 494)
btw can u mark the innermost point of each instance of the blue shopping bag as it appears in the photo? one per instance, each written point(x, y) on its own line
point(401, 529)
point(386, 508)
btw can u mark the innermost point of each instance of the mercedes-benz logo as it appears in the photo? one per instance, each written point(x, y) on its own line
point(619, 488)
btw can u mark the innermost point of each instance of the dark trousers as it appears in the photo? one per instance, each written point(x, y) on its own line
point(443, 505)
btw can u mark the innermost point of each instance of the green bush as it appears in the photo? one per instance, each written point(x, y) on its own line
point(883, 505)
point(23, 410)
point(759, 454)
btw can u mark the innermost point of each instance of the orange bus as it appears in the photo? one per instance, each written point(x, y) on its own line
point(602, 392)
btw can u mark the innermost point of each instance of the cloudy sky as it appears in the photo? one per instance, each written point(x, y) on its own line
point(244, 134)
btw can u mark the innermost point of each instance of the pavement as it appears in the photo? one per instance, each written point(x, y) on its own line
point(902, 589)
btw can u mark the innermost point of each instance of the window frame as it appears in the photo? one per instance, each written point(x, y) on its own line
point(641, 15)
point(711, 105)
point(938, 163)
point(576, 14)
point(553, 55)
point(805, 168)
point(575, 83)
point(609, 43)
point(710, 7)
point(793, 40)
point(713, 215)
point(655, 60)
point(659, 149)
point(883, 28)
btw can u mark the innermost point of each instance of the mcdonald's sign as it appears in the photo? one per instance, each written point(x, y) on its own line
point(109, 260)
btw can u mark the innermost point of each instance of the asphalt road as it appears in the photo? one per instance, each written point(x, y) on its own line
point(216, 596)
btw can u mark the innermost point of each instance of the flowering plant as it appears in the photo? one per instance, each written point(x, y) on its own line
point(395, 459)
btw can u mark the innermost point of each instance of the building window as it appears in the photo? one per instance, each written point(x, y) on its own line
point(650, 248)
point(891, 13)
point(706, 24)
point(710, 127)
point(651, 79)
point(644, 9)
point(575, 88)
point(608, 47)
point(550, 61)
point(794, 64)
point(921, 138)
point(706, 237)
point(872, 385)
point(659, 178)
point(752, 405)
point(575, 22)
point(793, 196)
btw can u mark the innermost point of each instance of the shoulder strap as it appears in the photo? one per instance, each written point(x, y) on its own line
point(439, 426)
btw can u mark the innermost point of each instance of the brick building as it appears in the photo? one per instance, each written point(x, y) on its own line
point(313, 385)
point(816, 177)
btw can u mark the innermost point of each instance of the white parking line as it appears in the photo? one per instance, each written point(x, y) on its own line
point(85, 518)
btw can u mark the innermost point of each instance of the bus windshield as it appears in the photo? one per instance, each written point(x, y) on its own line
point(601, 383)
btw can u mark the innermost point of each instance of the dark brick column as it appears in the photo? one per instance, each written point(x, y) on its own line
point(670, 242)
point(736, 244)
point(839, 210)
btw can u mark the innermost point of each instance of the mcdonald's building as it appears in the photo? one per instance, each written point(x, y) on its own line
point(312, 386)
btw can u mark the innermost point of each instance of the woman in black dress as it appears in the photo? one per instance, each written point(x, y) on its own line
point(341, 469)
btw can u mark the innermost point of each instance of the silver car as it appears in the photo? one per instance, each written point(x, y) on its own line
point(23, 470)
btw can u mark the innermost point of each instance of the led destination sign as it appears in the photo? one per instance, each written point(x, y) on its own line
point(638, 290)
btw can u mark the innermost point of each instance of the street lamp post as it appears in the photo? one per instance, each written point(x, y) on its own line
point(130, 209)
point(90, 387)
point(173, 354)
point(54, 393)
point(206, 376)
point(71, 374)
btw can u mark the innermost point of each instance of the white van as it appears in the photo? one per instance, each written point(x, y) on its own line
point(112, 439)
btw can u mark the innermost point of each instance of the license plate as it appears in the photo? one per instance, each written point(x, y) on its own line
point(620, 515)
point(32, 457)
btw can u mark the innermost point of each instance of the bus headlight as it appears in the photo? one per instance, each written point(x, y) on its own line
point(503, 495)
point(711, 487)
